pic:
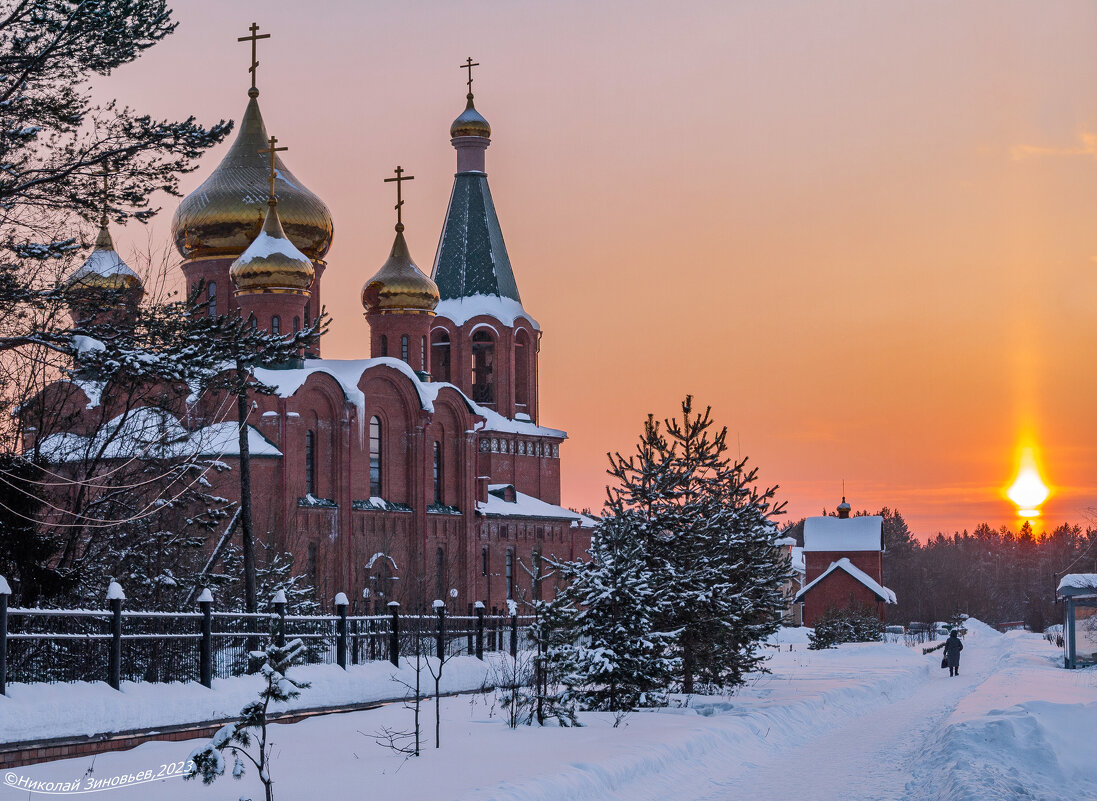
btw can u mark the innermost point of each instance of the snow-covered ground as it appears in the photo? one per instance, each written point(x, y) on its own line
point(873, 721)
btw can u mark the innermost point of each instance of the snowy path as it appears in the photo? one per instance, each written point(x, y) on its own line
point(871, 722)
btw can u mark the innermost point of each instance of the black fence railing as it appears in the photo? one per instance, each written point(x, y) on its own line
point(115, 645)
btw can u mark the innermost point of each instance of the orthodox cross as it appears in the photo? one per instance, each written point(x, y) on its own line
point(255, 37)
point(468, 65)
point(399, 179)
point(273, 151)
point(105, 174)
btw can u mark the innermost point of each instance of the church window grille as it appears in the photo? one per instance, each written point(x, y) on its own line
point(510, 573)
point(404, 348)
point(310, 463)
point(485, 446)
point(211, 294)
point(375, 457)
point(384, 345)
point(276, 325)
point(439, 356)
point(556, 451)
point(483, 367)
point(438, 472)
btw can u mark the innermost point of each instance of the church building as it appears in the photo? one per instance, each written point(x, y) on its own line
point(421, 471)
point(843, 565)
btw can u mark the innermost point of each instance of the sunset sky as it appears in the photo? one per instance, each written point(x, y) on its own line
point(864, 232)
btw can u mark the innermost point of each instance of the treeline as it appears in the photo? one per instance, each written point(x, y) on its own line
point(997, 575)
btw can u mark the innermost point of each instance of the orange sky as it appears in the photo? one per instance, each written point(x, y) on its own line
point(863, 231)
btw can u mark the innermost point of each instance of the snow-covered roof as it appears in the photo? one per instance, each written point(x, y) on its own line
point(505, 310)
point(798, 560)
point(154, 434)
point(843, 534)
point(525, 506)
point(880, 591)
point(103, 262)
point(1075, 584)
point(347, 372)
point(504, 425)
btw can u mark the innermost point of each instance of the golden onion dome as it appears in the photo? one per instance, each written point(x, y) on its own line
point(104, 270)
point(470, 123)
point(400, 286)
point(225, 214)
point(272, 263)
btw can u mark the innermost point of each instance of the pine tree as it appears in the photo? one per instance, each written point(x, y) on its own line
point(615, 658)
point(706, 534)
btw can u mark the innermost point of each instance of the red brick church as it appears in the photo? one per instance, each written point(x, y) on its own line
point(420, 471)
point(843, 564)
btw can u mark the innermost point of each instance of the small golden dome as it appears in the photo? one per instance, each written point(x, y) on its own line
point(399, 285)
point(225, 214)
point(470, 123)
point(104, 270)
point(272, 263)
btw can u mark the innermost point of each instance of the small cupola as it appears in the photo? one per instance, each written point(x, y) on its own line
point(843, 509)
point(272, 263)
point(103, 283)
point(400, 287)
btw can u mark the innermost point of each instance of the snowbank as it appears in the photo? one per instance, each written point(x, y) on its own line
point(35, 711)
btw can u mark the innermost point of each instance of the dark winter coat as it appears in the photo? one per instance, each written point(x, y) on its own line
point(953, 647)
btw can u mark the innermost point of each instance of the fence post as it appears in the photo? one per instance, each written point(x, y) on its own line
point(354, 642)
point(5, 591)
point(480, 630)
point(440, 638)
point(341, 604)
point(205, 650)
point(115, 596)
point(394, 634)
point(279, 602)
point(470, 646)
point(514, 635)
point(494, 629)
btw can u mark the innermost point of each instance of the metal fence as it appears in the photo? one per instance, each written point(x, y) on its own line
point(115, 645)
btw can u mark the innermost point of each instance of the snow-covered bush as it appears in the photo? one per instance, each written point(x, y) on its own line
point(854, 623)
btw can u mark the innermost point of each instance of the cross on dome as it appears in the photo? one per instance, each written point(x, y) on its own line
point(468, 65)
point(399, 179)
point(254, 38)
point(273, 151)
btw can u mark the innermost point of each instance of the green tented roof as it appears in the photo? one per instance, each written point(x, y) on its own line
point(472, 258)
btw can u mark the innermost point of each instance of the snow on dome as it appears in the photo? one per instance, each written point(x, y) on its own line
point(114, 592)
point(265, 246)
point(505, 310)
point(104, 264)
point(843, 534)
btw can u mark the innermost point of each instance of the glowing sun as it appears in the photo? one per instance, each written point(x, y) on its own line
point(1028, 490)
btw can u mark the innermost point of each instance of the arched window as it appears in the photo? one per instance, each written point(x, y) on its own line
point(211, 294)
point(375, 457)
point(296, 324)
point(484, 560)
point(483, 360)
point(438, 472)
point(439, 355)
point(510, 573)
point(310, 463)
point(308, 318)
point(404, 348)
point(252, 322)
point(522, 354)
point(384, 345)
point(276, 325)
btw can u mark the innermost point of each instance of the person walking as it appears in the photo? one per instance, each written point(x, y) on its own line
point(953, 647)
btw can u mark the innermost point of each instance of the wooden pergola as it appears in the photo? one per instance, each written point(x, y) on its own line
point(1075, 590)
